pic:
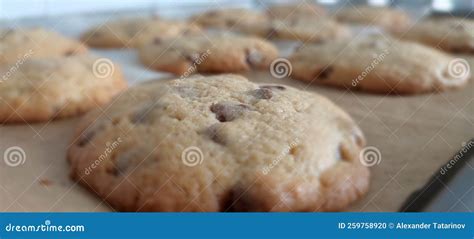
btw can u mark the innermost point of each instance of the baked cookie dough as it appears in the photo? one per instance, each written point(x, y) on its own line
point(389, 19)
point(302, 9)
point(300, 29)
point(134, 32)
point(219, 53)
point(229, 18)
point(453, 35)
point(378, 64)
point(50, 88)
point(220, 143)
point(17, 45)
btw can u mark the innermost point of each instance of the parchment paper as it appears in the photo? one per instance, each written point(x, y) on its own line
point(415, 135)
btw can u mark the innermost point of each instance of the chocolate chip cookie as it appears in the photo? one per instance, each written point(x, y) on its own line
point(229, 18)
point(304, 9)
point(23, 43)
point(389, 19)
point(377, 64)
point(219, 53)
point(300, 29)
point(134, 32)
point(454, 35)
point(220, 143)
point(50, 88)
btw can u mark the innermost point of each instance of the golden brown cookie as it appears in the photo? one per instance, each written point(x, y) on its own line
point(229, 18)
point(221, 53)
point(220, 143)
point(50, 88)
point(378, 64)
point(392, 20)
point(302, 9)
point(17, 45)
point(134, 32)
point(454, 35)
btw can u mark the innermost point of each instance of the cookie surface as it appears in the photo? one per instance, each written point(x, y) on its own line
point(392, 20)
point(229, 18)
point(220, 143)
point(449, 34)
point(45, 89)
point(302, 9)
point(220, 53)
point(377, 64)
point(134, 32)
point(24, 43)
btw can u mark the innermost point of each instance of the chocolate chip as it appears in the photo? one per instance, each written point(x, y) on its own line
point(238, 199)
point(323, 74)
point(228, 111)
point(253, 57)
point(125, 161)
point(69, 53)
point(263, 93)
point(89, 134)
point(278, 87)
point(344, 153)
point(461, 50)
point(456, 50)
point(226, 202)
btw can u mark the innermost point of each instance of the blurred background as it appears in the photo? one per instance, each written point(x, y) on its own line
point(72, 17)
point(10, 9)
